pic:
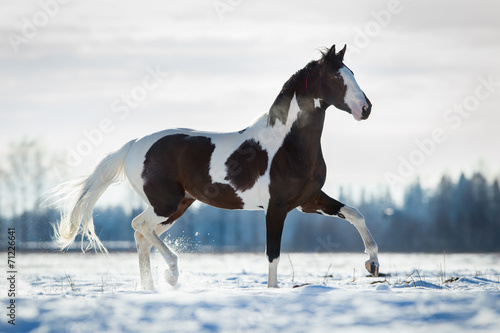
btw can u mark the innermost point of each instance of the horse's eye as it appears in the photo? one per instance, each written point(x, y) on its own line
point(338, 76)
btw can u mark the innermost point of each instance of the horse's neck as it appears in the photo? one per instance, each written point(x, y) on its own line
point(301, 122)
point(306, 131)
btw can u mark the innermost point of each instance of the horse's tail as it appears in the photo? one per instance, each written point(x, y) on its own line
point(80, 198)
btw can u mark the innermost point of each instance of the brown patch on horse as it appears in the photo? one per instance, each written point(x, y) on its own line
point(179, 163)
point(181, 209)
point(246, 165)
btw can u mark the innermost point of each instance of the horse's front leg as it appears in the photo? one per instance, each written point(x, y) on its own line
point(323, 204)
point(275, 219)
point(143, 249)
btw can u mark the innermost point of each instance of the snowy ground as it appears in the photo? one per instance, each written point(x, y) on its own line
point(71, 292)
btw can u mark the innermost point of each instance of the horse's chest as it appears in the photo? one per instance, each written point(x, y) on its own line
point(295, 174)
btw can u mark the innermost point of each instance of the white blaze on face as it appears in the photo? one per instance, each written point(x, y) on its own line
point(354, 96)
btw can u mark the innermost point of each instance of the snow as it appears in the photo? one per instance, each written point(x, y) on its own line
point(71, 292)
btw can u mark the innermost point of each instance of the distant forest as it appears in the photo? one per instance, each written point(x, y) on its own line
point(456, 216)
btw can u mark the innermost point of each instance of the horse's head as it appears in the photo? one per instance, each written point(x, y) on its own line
point(337, 86)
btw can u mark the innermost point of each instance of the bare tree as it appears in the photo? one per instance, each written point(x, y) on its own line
point(28, 167)
point(3, 220)
point(2, 192)
point(26, 178)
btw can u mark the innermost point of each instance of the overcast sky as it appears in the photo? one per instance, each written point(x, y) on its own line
point(430, 68)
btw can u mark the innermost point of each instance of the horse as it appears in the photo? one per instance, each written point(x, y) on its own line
point(275, 165)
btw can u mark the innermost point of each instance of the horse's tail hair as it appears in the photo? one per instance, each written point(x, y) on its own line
point(79, 198)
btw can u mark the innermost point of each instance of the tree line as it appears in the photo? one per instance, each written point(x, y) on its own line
point(455, 216)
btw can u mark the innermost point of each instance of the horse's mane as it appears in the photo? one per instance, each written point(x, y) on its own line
point(279, 109)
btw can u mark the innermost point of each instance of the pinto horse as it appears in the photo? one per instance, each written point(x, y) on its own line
point(275, 165)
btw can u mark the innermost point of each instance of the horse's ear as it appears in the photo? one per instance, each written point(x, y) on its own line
point(341, 53)
point(331, 52)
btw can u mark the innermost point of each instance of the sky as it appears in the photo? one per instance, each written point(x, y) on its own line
point(84, 77)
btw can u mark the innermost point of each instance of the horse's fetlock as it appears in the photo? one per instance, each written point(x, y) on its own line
point(173, 262)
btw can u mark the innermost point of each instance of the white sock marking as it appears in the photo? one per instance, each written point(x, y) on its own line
point(272, 278)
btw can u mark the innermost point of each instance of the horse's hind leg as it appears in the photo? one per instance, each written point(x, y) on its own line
point(172, 274)
point(147, 234)
point(323, 204)
point(145, 225)
point(143, 250)
point(144, 246)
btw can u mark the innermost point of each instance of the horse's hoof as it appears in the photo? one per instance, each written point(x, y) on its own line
point(171, 276)
point(148, 286)
point(372, 267)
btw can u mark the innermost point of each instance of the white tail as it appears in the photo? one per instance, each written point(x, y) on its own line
point(80, 198)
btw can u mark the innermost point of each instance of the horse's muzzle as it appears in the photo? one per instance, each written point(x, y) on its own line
point(367, 108)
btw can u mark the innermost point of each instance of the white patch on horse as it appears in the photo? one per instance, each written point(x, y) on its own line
point(323, 213)
point(272, 277)
point(354, 96)
point(358, 221)
point(269, 137)
point(317, 103)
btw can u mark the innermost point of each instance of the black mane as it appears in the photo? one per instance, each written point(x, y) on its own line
point(279, 109)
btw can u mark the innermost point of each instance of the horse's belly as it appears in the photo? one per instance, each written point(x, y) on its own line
point(225, 195)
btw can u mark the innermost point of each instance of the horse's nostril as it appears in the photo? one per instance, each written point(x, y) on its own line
point(365, 111)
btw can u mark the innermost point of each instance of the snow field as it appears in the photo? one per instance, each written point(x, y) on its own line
point(71, 292)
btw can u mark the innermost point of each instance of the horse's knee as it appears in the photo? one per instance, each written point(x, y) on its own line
point(146, 221)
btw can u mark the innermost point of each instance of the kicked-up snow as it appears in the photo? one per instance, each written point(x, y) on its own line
point(71, 292)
